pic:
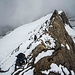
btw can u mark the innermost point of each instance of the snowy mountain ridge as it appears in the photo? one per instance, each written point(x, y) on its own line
point(20, 33)
point(22, 40)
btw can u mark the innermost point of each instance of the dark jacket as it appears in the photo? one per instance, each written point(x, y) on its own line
point(21, 58)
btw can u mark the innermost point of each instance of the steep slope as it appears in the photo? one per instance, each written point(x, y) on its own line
point(52, 53)
point(18, 36)
point(11, 43)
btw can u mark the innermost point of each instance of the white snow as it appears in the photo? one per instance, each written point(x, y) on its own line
point(24, 49)
point(17, 71)
point(47, 37)
point(60, 12)
point(46, 72)
point(70, 31)
point(57, 69)
point(18, 36)
point(65, 70)
point(62, 45)
point(72, 72)
point(67, 46)
point(9, 72)
point(43, 54)
point(30, 72)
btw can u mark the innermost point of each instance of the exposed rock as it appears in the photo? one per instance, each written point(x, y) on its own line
point(65, 19)
point(52, 73)
point(53, 36)
point(62, 55)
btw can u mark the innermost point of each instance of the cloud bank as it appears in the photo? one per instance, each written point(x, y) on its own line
point(14, 13)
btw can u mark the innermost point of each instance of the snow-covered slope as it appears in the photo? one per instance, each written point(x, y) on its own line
point(10, 43)
point(18, 40)
point(18, 36)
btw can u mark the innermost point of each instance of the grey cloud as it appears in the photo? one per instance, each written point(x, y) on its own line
point(14, 13)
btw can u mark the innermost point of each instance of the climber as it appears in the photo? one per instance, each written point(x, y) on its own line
point(21, 60)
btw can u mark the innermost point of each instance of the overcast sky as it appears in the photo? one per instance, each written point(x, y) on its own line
point(14, 13)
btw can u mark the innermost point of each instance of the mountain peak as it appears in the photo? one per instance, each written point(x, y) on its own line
point(54, 14)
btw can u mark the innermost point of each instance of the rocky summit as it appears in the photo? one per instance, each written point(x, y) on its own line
point(56, 48)
point(50, 51)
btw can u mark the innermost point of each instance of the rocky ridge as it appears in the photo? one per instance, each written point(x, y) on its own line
point(56, 48)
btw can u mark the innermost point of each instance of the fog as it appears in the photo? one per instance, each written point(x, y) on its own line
point(14, 13)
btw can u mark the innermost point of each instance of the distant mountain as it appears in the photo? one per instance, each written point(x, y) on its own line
point(48, 43)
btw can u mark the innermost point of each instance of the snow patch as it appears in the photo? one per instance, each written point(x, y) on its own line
point(55, 68)
point(70, 31)
point(60, 12)
point(30, 72)
point(62, 45)
point(67, 46)
point(18, 36)
point(58, 69)
point(46, 72)
point(72, 72)
point(46, 38)
point(43, 54)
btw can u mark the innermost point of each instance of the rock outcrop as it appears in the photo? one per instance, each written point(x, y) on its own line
point(65, 19)
point(64, 48)
point(52, 51)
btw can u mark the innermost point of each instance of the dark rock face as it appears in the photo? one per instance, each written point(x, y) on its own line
point(62, 55)
point(52, 73)
point(65, 19)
